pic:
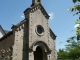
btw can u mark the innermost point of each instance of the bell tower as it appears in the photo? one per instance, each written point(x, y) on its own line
point(34, 2)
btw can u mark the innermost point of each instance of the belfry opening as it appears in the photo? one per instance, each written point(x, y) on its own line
point(38, 0)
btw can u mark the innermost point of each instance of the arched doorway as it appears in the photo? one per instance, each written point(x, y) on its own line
point(38, 54)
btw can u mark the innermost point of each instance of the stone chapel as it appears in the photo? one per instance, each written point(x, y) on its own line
point(30, 39)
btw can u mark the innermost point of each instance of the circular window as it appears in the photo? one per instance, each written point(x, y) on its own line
point(39, 30)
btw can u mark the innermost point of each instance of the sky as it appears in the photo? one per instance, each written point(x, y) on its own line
point(61, 20)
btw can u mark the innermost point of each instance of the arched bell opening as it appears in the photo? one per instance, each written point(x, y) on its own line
point(40, 53)
point(38, 0)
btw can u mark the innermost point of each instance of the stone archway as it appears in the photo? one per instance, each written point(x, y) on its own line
point(41, 50)
point(40, 54)
point(40, 43)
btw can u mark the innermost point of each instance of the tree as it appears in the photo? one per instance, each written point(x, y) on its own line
point(71, 51)
point(76, 10)
point(62, 55)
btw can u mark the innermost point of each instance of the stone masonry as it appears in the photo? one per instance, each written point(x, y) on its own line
point(32, 38)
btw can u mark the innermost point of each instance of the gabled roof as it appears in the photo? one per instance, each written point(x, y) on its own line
point(4, 31)
point(20, 23)
point(38, 6)
point(52, 34)
point(6, 35)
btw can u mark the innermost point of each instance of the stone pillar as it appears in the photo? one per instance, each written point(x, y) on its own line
point(31, 55)
point(48, 57)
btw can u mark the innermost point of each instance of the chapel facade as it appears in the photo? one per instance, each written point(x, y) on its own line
point(30, 39)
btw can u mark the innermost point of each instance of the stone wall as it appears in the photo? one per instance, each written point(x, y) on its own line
point(6, 44)
point(18, 42)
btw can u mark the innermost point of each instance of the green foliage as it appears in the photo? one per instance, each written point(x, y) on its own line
point(76, 7)
point(76, 10)
point(78, 29)
point(74, 1)
point(72, 50)
point(62, 54)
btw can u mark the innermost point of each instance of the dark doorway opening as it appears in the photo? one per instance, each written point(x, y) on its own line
point(38, 54)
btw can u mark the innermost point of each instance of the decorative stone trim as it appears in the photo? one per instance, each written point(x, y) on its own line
point(39, 6)
point(42, 29)
point(40, 43)
point(19, 28)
